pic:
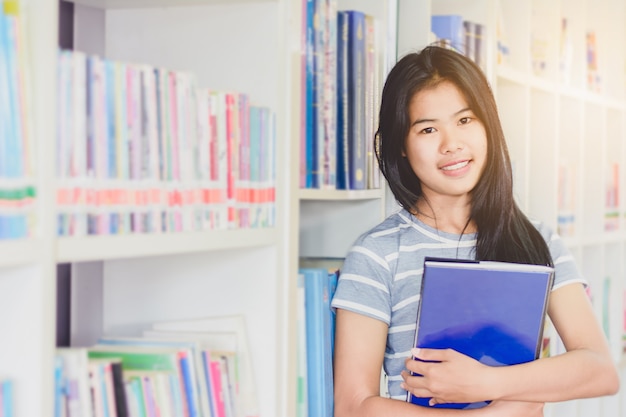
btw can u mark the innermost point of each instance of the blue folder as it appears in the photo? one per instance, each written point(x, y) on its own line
point(491, 311)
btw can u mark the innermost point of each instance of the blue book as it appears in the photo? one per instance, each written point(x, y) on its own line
point(13, 140)
point(491, 311)
point(59, 386)
point(7, 398)
point(343, 161)
point(206, 360)
point(5, 103)
point(333, 278)
point(318, 342)
point(450, 30)
point(357, 148)
point(310, 99)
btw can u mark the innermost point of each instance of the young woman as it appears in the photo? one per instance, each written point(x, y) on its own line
point(442, 151)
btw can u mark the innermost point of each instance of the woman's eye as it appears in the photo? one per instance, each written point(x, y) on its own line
point(427, 130)
point(465, 120)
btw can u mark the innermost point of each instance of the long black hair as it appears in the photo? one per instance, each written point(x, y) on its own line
point(504, 231)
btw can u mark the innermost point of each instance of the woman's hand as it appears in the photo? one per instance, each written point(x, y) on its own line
point(448, 377)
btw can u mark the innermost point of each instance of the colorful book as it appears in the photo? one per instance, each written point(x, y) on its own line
point(209, 329)
point(491, 311)
point(188, 371)
point(144, 358)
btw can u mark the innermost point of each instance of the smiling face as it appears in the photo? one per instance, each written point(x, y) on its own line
point(446, 145)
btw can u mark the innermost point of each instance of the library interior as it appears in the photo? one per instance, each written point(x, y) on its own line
point(181, 180)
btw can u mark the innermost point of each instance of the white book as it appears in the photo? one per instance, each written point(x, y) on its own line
point(218, 110)
point(76, 370)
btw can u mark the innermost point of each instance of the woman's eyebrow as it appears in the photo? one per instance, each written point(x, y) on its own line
point(418, 121)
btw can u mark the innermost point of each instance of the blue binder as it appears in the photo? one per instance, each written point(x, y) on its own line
point(491, 311)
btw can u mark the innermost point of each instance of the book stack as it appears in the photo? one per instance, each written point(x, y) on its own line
point(17, 190)
point(190, 368)
point(341, 89)
point(144, 150)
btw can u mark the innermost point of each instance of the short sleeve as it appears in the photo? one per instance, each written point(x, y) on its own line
point(565, 269)
point(364, 281)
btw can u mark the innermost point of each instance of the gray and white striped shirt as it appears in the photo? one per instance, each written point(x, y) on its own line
point(382, 274)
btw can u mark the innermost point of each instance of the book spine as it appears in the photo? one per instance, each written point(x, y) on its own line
point(356, 91)
point(343, 162)
point(329, 108)
point(121, 403)
point(190, 393)
point(449, 31)
point(370, 99)
point(216, 383)
point(310, 93)
point(318, 343)
point(211, 389)
point(109, 390)
point(301, 390)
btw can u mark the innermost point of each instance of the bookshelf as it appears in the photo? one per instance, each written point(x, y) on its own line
point(238, 46)
point(328, 221)
point(121, 283)
point(564, 120)
point(253, 46)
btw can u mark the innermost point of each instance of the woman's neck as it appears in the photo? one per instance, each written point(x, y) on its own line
point(450, 218)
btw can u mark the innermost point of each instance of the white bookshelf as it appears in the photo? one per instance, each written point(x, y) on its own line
point(329, 221)
point(22, 252)
point(89, 248)
point(231, 271)
point(230, 46)
point(27, 269)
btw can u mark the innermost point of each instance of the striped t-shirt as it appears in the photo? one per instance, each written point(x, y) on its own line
point(382, 274)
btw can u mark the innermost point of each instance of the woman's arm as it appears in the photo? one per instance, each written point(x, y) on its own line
point(359, 350)
point(585, 370)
